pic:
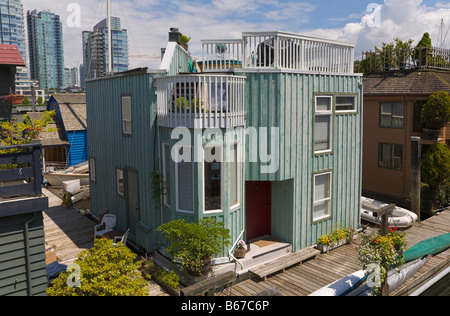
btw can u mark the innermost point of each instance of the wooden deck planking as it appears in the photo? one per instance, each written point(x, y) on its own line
point(305, 278)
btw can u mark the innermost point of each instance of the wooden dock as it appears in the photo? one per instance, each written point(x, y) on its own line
point(303, 279)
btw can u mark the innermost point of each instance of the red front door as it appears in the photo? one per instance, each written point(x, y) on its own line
point(258, 206)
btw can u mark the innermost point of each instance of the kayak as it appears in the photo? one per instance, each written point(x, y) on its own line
point(429, 246)
point(342, 286)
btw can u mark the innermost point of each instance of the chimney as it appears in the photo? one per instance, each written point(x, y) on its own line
point(174, 35)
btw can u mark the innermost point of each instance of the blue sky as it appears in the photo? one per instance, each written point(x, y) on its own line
point(148, 21)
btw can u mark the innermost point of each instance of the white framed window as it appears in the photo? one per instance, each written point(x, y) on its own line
point(235, 177)
point(166, 158)
point(127, 126)
point(92, 169)
point(323, 125)
point(346, 104)
point(119, 182)
point(322, 195)
point(184, 177)
point(213, 179)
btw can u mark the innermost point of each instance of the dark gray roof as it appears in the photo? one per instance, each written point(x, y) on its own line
point(415, 82)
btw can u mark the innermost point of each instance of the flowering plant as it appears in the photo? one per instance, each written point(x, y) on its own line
point(337, 236)
point(385, 252)
point(241, 244)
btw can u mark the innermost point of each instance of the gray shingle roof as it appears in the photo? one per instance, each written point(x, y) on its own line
point(415, 82)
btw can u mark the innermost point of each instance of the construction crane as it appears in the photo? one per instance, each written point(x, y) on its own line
point(144, 56)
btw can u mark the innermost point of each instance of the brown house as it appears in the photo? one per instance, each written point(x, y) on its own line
point(392, 104)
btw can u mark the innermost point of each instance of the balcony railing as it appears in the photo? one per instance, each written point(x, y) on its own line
point(278, 50)
point(404, 59)
point(200, 101)
point(20, 171)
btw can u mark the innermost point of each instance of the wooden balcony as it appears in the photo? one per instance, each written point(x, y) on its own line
point(278, 50)
point(20, 180)
point(200, 101)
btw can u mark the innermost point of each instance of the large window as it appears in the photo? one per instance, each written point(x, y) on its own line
point(390, 156)
point(166, 173)
point(213, 178)
point(322, 197)
point(323, 125)
point(185, 182)
point(392, 115)
point(127, 127)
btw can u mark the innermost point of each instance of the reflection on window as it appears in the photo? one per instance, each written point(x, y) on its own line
point(213, 180)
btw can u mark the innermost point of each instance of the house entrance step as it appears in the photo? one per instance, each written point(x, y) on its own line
point(281, 263)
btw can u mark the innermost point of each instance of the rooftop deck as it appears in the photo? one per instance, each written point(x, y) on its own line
point(265, 51)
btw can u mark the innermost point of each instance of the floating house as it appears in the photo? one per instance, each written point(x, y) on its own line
point(395, 91)
point(71, 112)
point(266, 139)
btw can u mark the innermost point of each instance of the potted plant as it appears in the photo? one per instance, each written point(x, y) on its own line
point(194, 245)
point(241, 250)
point(324, 243)
point(435, 114)
point(184, 41)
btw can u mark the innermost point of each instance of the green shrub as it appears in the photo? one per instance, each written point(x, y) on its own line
point(105, 270)
point(436, 112)
point(436, 165)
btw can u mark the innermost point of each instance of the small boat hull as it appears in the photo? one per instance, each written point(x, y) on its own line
point(400, 217)
point(57, 179)
point(342, 286)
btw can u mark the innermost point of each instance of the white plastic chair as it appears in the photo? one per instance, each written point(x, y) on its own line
point(122, 239)
point(109, 220)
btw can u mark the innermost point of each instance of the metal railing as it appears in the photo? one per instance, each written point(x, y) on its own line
point(404, 59)
point(200, 101)
point(278, 50)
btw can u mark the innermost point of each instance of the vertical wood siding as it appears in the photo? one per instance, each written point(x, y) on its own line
point(13, 256)
point(112, 150)
point(286, 101)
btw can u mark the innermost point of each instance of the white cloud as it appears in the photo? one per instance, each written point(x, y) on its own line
point(148, 22)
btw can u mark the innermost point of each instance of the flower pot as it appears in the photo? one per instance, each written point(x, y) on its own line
point(323, 248)
point(240, 253)
point(201, 270)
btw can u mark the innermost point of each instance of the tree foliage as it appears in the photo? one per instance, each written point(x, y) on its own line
point(436, 112)
point(106, 270)
point(436, 165)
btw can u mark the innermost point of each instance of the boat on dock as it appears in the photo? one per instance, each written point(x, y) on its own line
point(399, 217)
point(56, 177)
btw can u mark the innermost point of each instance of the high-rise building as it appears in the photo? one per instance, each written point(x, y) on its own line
point(12, 32)
point(95, 49)
point(45, 47)
point(71, 77)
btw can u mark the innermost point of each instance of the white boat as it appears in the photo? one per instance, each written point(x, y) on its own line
point(399, 217)
point(341, 286)
point(57, 177)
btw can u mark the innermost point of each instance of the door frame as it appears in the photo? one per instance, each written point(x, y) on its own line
point(127, 198)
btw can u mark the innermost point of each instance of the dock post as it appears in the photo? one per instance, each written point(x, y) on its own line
point(415, 175)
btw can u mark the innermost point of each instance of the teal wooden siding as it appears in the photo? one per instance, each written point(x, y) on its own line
point(114, 150)
point(286, 100)
point(22, 260)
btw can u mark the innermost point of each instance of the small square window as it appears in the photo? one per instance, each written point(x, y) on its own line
point(346, 103)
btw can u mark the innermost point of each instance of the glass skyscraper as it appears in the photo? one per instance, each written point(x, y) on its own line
point(12, 30)
point(95, 49)
point(45, 47)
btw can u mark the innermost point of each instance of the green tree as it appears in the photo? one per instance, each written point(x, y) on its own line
point(26, 100)
point(436, 112)
point(105, 270)
point(423, 49)
point(436, 165)
point(17, 133)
